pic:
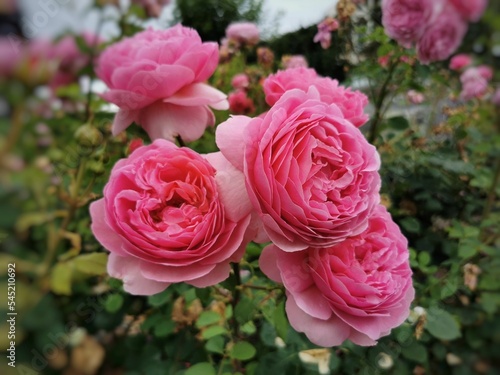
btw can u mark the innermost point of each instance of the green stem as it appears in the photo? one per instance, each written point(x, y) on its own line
point(380, 102)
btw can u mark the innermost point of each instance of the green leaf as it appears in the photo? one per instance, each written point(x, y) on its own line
point(159, 299)
point(244, 311)
point(92, 264)
point(213, 331)
point(215, 345)
point(113, 303)
point(60, 278)
point(441, 324)
point(207, 318)
point(243, 351)
point(203, 368)
point(164, 328)
point(280, 321)
point(410, 224)
point(398, 123)
point(415, 352)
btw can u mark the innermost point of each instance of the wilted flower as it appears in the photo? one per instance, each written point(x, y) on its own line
point(265, 57)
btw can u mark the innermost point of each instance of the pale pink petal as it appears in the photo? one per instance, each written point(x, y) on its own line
point(172, 274)
point(128, 270)
point(122, 120)
point(268, 263)
point(230, 139)
point(102, 231)
point(217, 275)
point(198, 94)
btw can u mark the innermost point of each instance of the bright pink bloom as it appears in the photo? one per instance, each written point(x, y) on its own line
point(294, 61)
point(485, 71)
point(351, 103)
point(171, 215)
point(157, 79)
point(415, 97)
point(472, 10)
point(442, 37)
point(460, 61)
point(243, 33)
point(240, 81)
point(357, 290)
point(474, 84)
point(311, 175)
point(406, 20)
point(240, 103)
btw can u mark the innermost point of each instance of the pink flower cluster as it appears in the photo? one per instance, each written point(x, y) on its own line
point(301, 175)
point(436, 27)
point(475, 81)
point(157, 78)
point(325, 29)
point(239, 102)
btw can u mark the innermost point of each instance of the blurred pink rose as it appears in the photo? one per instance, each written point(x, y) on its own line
point(243, 33)
point(10, 54)
point(383, 61)
point(324, 34)
point(36, 66)
point(71, 59)
point(496, 97)
point(351, 103)
point(442, 37)
point(406, 20)
point(485, 71)
point(474, 85)
point(415, 97)
point(240, 81)
point(357, 290)
point(171, 215)
point(294, 61)
point(240, 103)
point(472, 10)
point(311, 175)
point(460, 61)
point(157, 79)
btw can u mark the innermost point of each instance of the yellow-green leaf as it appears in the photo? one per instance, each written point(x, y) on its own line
point(60, 278)
point(91, 264)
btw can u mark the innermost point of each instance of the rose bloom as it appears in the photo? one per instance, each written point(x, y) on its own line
point(157, 79)
point(240, 81)
point(243, 33)
point(324, 34)
point(171, 215)
point(442, 37)
point(460, 61)
point(406, 20)
point(415, 97)
point(474, 84)
point(294, 61)
point(352, 103)
point(357, 290)
point(485, 71)
point(240, 103)
point(9, 56)
point(472, 10)
point(311, 175)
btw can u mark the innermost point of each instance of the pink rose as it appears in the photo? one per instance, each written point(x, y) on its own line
point(240, 81)
point(474, 84)
point(485, 71)
point(356, 290)
point(471, 10)
point(10, 53)
point(442, 37)
point(311, 175)
point(460, 61)
point(157, 79)
point(171, 215)
point(351, 103)
point(240, 103)
point(324, 34)
point(243, 33)
point(406, 20)
point(415, 97)
point(294, 61)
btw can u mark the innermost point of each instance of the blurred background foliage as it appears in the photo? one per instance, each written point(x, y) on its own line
point(440, 169)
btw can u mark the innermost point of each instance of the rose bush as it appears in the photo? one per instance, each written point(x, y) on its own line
point(310, 174)
point(358, 289)
point(157, 80)
point(168, 215)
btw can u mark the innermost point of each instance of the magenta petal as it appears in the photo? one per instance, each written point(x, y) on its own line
point(217, 275)
point(230, 139)
point(102, 231)
point(268, 263)
point(128, 270)
point(325, 333)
